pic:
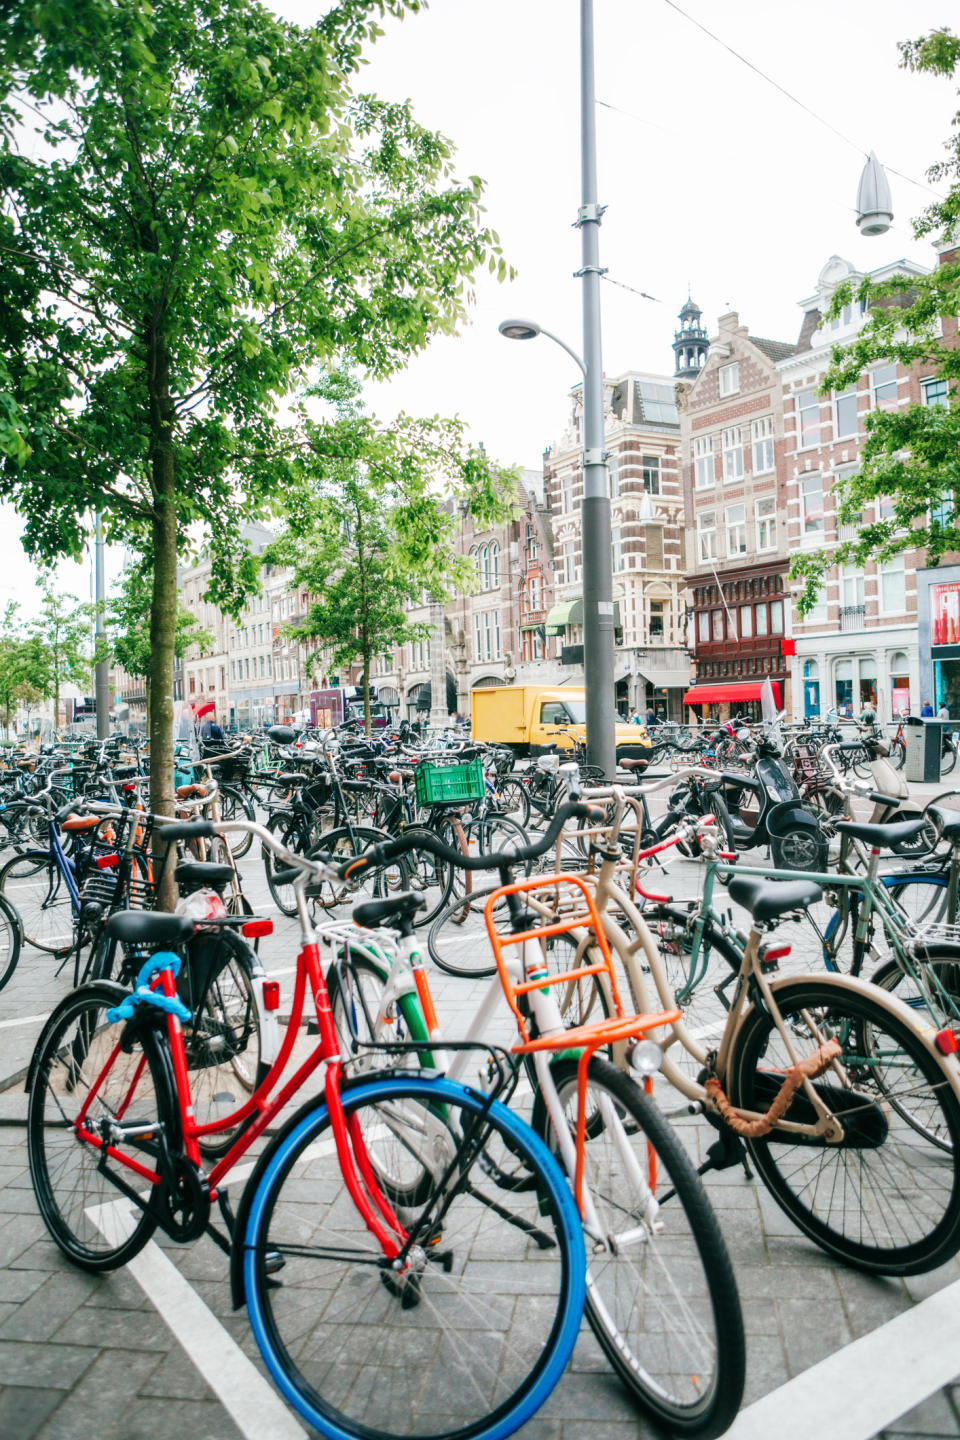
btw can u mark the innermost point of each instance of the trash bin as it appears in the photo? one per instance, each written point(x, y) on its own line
point(924, 739)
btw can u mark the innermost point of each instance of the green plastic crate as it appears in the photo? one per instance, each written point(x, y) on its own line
point(449, 784)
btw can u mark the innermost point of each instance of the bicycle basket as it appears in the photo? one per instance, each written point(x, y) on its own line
point(450, 784)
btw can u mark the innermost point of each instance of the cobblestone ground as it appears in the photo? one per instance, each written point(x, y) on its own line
point(84, 1356)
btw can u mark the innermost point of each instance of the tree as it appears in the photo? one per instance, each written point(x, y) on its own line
point(64, 632)
point(372, 522)
point(210, 211)
point(910, 458)
point(23, 665)
point(128, 624)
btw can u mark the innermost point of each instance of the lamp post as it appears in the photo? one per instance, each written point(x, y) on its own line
point(595, 512)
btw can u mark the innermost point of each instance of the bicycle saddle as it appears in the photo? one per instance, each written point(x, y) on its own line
point(203, 872)
point(879, 837)
point(148, 927)
point(768, 899)
point(398, 909)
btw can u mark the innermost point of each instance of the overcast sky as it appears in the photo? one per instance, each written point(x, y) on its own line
point(710, 176)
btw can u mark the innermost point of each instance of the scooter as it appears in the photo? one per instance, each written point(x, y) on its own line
point(766, 808)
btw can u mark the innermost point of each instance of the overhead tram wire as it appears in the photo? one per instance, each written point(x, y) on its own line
point(860, 149)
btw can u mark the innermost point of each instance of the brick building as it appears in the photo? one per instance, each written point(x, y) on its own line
point(732, 438)
point(642, 441)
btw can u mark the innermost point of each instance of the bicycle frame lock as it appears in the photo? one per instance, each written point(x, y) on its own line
point(536, 978)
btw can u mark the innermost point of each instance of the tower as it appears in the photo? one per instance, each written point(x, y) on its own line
point(690, 343)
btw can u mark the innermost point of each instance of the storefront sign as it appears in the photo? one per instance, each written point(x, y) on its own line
point(945, 614)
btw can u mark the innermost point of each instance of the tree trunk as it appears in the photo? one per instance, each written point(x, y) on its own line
point(367, 720)
point(163, 610)
point(146, 691)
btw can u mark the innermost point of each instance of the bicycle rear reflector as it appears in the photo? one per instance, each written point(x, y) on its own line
point(254, 929)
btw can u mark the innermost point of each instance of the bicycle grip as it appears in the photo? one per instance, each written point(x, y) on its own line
point(879, 799)
point(288, 876)
point(187, 830)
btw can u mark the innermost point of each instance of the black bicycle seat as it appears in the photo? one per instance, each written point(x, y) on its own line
point(881, 837)
point(768, 899)
point(203, 872)
point(148, 927)
point(396, 911)
point(949, 821)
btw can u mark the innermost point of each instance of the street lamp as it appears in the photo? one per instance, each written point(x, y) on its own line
point(595, 510)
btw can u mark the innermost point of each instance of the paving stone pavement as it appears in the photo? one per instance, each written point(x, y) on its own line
point(89, 1356)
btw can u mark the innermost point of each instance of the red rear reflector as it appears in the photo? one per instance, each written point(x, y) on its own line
point(107, 862)
point(271, 994)
point(727, 854)
point(255, 928)
point(776, 952)
point(947, 1042)
point(128, 787)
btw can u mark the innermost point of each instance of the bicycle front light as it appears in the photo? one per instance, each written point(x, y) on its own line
point(645, 1057)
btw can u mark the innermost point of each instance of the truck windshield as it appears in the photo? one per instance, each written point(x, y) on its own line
point(577, 710)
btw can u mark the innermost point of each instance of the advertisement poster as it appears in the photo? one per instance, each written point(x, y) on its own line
point(945, 614)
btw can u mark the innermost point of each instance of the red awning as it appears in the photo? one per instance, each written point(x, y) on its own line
point(729, 694)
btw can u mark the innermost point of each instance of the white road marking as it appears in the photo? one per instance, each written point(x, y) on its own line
point(869, 1383)
point(250, 1400)
point(26, 1020)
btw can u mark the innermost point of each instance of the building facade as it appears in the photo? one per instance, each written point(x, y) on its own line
point(733, 472)
point(642, 443)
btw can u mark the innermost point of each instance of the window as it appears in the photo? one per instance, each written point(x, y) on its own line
point(570, 561)
point(851, 587)
point(263, 667)
point(617, 549)
point(934, 392)
point(654, 544)
point(494, 566)
point(746, 622)
point(478, 636)
point(657, 608)
point(808, 419)
point(885, 386)
point(716, 624)
point(534, 601)
point(707, 535)
point(553, 712)
point(731, 443)
point(730, 379)
point(703, 625)
point(811, 507)
point(760, 618)
point(893, 586)
point(761, 435)
point(651, 474)
point(233, 669)
point(942, 513)
point(776, 617)
point(845, 402)
point(270, 666)
point(736, 516)
point(765, 512)
point(567, 484)
point(247, 667)
point(703, 462)
point(613, 472)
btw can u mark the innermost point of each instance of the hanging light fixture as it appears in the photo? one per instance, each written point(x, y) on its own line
point(874, 205)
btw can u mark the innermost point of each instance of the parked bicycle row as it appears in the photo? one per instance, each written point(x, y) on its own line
point(382, 1218)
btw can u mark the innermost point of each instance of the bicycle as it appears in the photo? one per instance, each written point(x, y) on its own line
point(865, 1160)
point(661, 1298)
point(388, 1193)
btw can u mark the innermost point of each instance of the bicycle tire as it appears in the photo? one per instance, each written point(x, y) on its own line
point(288, 831)
point(428, 876)
point(9, 940)
point(342, 844)
point(940, 1005)
point(898, 753)
point(911, 1230)
point(672, 1330)
point(234, 805)
point(33, 885)
point(477, 1335)
point(512, 800)
point(948, 760)
point(75, 1195)
point(921, 895)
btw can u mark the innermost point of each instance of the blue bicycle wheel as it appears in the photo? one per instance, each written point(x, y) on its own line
point(920, 895)
point(469, 1339)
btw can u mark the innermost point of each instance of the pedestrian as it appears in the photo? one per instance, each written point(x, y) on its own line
point(651, 718)
point(944, 712)
point(210, 730)
point(927, 709)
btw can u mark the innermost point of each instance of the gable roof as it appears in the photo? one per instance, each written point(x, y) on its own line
point(773, 349)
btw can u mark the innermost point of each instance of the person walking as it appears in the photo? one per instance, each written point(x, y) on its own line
point(943, 713)
point(926, 709)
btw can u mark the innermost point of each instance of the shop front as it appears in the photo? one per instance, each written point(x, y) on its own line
point(938, 627)
point(830, 675)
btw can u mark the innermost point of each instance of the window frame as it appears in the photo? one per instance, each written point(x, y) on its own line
point(770, 519)
point(808, 534)
point(802, 442)
point(707, 452)
point(731, 450)
point(738, 525)
point(728, 379)
point(703, 532)
point(875, 401)
point(851, 393)
point(760, 438)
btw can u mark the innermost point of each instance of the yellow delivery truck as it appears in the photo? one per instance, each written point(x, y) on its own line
point(533, 719)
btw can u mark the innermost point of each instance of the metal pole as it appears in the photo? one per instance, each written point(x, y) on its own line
point(102, 688)
point(595, 527)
